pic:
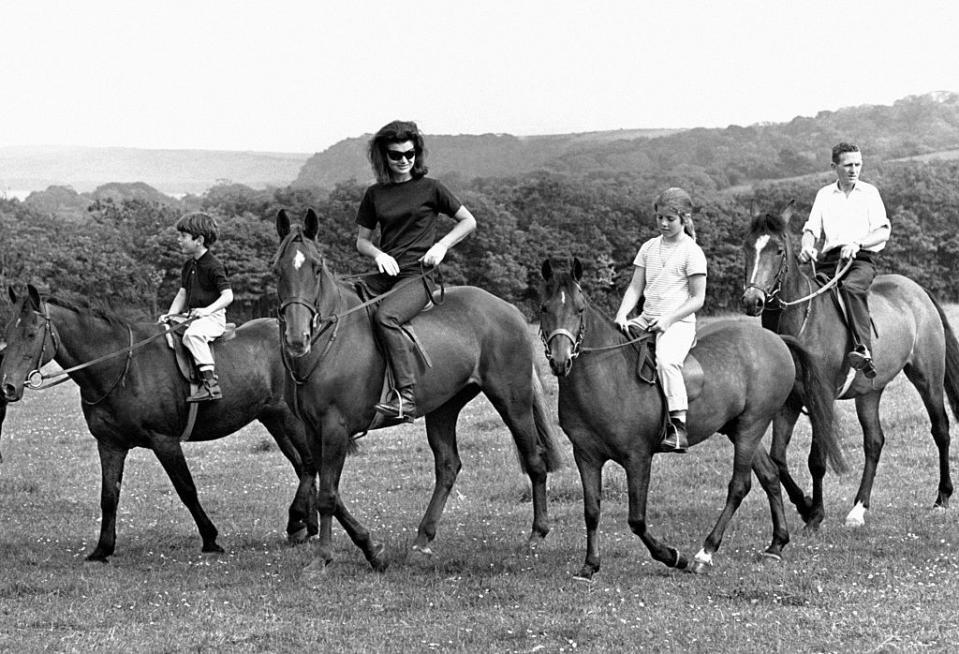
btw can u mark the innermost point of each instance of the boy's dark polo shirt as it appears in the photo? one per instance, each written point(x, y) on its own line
point(204, 279)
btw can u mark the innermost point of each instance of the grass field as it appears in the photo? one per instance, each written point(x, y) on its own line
point(887, 587)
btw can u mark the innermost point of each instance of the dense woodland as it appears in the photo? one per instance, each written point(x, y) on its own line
point(118, 245)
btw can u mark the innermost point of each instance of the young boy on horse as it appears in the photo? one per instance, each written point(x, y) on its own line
point(850, 216)
point(670, 272)
point(204, 295)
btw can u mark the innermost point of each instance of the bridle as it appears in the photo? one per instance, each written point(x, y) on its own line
point(772, 298)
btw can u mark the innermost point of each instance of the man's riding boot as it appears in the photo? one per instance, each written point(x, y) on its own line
point(209, 388)
point(402, 406)
point(675, 440)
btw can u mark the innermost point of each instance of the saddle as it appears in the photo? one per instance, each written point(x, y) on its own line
point(189, 371)
point(693, 375)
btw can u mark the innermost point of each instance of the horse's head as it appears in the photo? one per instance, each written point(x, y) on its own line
point(298, 266)
point(766, 252)
point(31, 342)
point(562, 320)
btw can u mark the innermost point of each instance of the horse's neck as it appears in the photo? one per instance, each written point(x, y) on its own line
point(600, 330)
point(84, 337)
point(796, 284)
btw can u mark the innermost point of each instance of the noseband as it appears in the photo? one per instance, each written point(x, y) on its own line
point(771, 297)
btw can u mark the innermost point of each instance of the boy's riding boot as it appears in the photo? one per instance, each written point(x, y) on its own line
point(675, 440)
point(209, 388)
point(402, 406)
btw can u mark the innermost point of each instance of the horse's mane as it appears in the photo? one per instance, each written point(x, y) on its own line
point(100, 309)
point(770, 223)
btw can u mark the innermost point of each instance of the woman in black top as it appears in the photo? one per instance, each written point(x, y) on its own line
point(405, 204)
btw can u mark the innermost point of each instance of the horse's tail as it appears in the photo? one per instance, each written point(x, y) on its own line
point(952, 358)
point(819, 398)
point(545, 433)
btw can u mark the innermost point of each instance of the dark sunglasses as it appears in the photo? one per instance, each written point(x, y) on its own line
point(396, 155)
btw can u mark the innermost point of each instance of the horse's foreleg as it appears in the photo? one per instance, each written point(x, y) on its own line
point(167, 449)
point(867, 410)
point(783, 424)
point(591, 476)
point(111, 477)
point(637, 481)
point(329, 447)
point(768, 475)
point(441, 435)
point(373, 551)
point(290, 437)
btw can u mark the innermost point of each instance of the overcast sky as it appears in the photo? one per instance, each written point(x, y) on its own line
point(298, 76)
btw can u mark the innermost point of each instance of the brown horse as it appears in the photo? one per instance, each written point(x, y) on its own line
point(138, 399)
point(912, 335)
point(476, 342)
point(610, 413)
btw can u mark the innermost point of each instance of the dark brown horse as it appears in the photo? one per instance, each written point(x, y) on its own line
point(476, 343)
point(610, 413)
point(911, 335)
point(137, 399)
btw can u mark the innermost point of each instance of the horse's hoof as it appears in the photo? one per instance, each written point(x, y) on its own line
point(98, 558)
point(212, 548)
point(316, 570)
point(297, 537)
point(423, 550)
point(771, 556)
point(377, 558)
point(585, 574)
point(698, 567)
point(856, 517)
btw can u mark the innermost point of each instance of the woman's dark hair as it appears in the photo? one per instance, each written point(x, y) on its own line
point(396, 132)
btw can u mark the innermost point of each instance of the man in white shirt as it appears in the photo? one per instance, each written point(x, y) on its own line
point(851, 219)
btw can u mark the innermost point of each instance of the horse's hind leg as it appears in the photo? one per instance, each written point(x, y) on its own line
point(932, 397)
point(111, 477)
point(170, 455)
point(746, 442)
point(768, 475)
point(441, 435)
point(290, 437)
point(516, 409)
point(867, 410)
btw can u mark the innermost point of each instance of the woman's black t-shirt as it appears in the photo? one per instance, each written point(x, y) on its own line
point(407, 215)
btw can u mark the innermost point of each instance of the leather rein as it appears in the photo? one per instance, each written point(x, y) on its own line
point(35, 378)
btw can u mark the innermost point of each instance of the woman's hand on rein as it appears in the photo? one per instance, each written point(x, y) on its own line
point(434, 255)
point(387, 264)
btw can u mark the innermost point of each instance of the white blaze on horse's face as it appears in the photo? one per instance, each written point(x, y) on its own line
point(761, 242)
point(562, 297)
point(298, 260)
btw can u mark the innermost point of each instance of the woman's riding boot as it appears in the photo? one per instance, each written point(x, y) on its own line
point(402, 406)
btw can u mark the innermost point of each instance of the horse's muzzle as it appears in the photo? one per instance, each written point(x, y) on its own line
point(753, 301)
point(9, 392)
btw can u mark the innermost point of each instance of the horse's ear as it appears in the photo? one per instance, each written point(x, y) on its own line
point(311, 225)
point(12, 293)
point(576, 268)
point(34, 295)
point(546, 270)
point(787, 213)
point(282, 223)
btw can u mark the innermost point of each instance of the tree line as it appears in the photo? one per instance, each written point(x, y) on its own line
point(124, 249)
